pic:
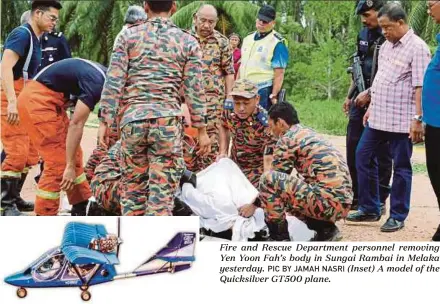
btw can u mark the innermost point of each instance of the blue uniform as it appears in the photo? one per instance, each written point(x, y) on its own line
point(365, 49)
point(54, 47)
point(19, 42)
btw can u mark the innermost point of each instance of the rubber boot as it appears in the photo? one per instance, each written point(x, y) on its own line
point(79, 209)
point(278, 231)
point(23, 205)
point(9, 197)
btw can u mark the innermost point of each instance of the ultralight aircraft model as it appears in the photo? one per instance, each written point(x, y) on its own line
point(88, 255)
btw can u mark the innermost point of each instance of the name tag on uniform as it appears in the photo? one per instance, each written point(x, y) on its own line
point(49, 49)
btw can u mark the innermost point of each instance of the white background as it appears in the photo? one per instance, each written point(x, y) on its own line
point(25, 239)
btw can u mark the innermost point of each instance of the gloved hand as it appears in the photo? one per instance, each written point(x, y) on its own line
point(188, 177)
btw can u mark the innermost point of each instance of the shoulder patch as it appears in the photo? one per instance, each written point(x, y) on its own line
point(262, 116)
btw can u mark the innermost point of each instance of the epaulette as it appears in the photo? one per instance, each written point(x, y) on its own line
point(228, 104)
point(263, 117)
point(56, 34)
point(278, 36)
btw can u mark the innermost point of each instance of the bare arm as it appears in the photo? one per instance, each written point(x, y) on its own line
point(74, 135)
point(277, 81)
point(229, 83)
point(9, 60)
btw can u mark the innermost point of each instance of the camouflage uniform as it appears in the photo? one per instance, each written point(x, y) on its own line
point(105, 182)
point(149, 65)
point(250, 137)
point(217, 63)
point(322, 190)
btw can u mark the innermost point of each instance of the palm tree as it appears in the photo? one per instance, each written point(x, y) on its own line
point(91, 26)
point(11, 12)
point(423, 24)
point(234, 16)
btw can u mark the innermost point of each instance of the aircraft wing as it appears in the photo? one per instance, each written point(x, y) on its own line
point(81, 234)
point(80, 255)
point(76, 240)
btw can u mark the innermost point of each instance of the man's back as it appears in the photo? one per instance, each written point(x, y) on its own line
point(314, 158)
point(157, 53)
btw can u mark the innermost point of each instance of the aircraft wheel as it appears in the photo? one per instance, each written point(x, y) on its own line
point(172, 269)
point(86, 296)
point(21, 292)
point(84, 288)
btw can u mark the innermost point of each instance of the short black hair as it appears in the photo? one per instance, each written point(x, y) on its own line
point(160, 6)
point(285, 111)
point(44, 5)
point(394, 12)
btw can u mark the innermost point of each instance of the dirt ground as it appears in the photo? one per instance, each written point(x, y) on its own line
point(422, 221)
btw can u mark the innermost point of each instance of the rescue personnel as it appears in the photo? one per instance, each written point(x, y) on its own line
point(369, 37)
point(134, 15)
point(264, 57)
point(252, 143)
point(320, 192)
point(150, 63)
point(21, 58)
point(218, 75)
point(42, 109)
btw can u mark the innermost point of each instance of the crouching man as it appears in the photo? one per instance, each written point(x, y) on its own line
point(320, 194)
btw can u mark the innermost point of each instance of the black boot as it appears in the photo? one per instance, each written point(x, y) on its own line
point(23, 205)
point(79, 209)
point(9, 197)
point(181, 209)
point(278, 231)
point(94, 208)
point(188, 177)
point(326, 231)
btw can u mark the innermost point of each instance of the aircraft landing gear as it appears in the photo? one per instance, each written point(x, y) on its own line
point(84, 288)
point(21, 292)
point(172, 268)
point(86, 296)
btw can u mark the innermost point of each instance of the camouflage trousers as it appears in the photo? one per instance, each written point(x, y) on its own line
point(105, 182)
point(151, 165)
point(280, 192)
point(99, 153)
point(198, 163)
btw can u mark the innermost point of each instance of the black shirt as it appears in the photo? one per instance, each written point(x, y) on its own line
point(75, 77)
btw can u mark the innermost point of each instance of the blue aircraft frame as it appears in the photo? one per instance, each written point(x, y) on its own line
point(74, 264)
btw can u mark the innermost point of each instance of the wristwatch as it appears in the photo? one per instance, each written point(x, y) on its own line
point(418, 118)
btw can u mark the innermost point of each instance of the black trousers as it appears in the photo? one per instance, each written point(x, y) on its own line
point(384, 161)
point(432, 147)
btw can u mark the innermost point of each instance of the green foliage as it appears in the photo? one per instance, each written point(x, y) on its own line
point(234, 16)
point(11, 12)
point(324, 116)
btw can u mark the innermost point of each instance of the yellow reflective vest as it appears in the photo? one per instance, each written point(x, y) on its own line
point(256, 59)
